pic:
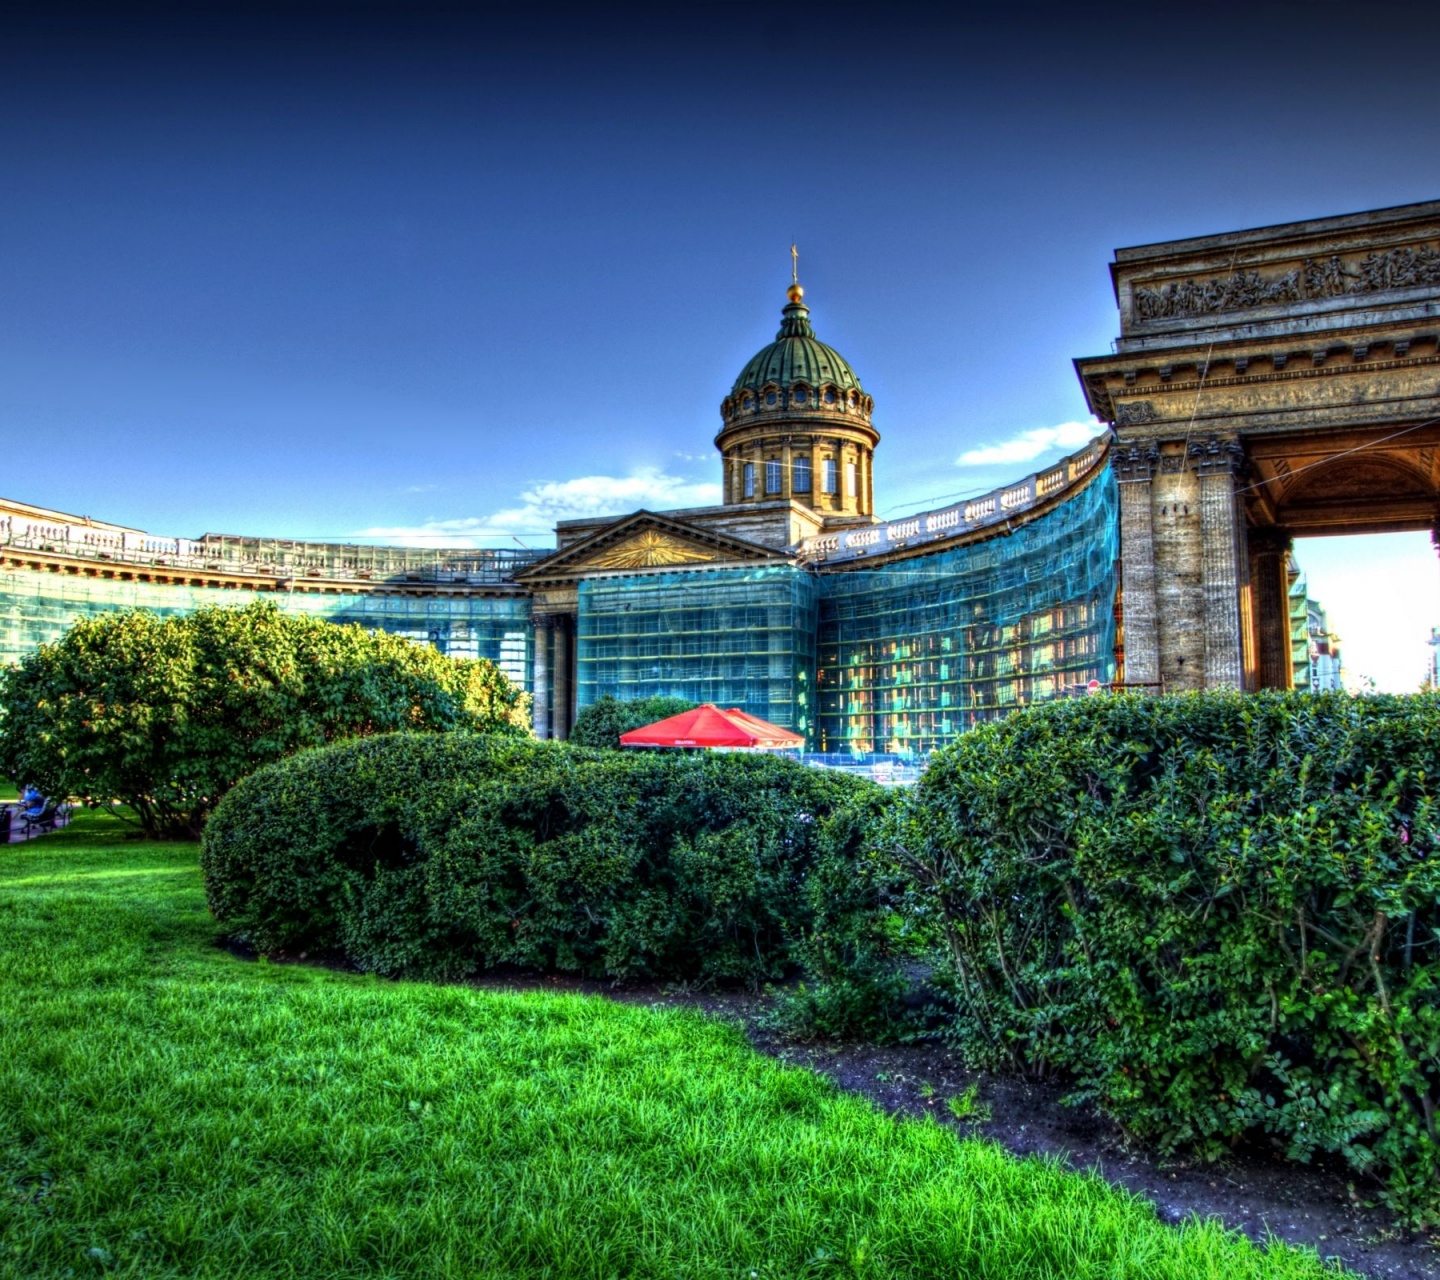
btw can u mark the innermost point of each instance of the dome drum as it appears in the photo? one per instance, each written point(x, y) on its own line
point(796, 426)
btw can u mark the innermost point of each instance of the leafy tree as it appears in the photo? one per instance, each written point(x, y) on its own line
point(166, 714)
point(602, 723)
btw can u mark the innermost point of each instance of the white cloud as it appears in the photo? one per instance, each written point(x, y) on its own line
point(542, 504)
point(1029, 445)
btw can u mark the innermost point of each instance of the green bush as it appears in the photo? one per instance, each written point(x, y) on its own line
point(443, 855)
point(1217, 914)
point(166, 714)
point(601, 723)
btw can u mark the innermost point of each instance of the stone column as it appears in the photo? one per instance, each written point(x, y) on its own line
point(1216, 463)
point(540, 696)
point(561, 717)
point(1269, 580)
point(787, 476)
point(1134, 472)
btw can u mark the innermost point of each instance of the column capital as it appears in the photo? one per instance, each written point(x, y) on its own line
point(1135, 464)
point(1216, 456)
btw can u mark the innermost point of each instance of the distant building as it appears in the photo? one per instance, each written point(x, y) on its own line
point(1314, 648)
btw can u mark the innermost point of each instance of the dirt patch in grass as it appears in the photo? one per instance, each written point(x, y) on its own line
point(1254, 1192)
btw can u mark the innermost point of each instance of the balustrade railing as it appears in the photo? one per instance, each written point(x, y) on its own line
point(265, 558)
point(992, 508)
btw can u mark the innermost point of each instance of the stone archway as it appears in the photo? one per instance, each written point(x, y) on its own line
point(1266, 385)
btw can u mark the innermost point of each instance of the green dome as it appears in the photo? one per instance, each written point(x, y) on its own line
point(796, 356)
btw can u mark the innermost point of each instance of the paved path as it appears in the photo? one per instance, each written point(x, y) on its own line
point(12, 825)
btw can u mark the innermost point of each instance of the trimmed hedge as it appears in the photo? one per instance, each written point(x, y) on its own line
point(430, 855)
point(1219, 915)
point(603, 721)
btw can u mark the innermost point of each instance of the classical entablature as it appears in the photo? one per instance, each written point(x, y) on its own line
point(645, 542)
point(1268, 384)
point(1320, 325)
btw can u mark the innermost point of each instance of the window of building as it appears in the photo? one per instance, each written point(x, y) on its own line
point(850, 479)
point(801, 395)
point(829, 477)
point(772, 475)
point(801, 468)
point(749, 479)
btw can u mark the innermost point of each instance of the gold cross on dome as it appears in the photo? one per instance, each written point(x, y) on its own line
point(794, 265)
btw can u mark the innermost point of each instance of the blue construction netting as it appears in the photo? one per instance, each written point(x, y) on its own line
point(735, 637)
point(912, 654)
point(38, 607)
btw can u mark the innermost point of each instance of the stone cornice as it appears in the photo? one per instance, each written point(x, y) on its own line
point(1111, 381)
point(17, 558)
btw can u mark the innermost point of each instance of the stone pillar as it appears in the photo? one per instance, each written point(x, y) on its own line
point(787, 476)
point(561, 717)
point(1248, 642)
point(1216, 463)
point(540, 695)
point(1270, 583)
point(1134, 472)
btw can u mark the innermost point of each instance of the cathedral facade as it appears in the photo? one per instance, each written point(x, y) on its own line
point(790, 599)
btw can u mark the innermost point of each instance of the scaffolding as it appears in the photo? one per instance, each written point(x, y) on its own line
point(735, 637)
point(865, 659)
point(36, 608)
point(912, 654)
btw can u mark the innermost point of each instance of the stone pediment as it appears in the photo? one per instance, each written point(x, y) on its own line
point(644, 541)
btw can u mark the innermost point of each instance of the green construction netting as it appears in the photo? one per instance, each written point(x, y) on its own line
point(38, 607)
point(735, 637)
point(912, 654)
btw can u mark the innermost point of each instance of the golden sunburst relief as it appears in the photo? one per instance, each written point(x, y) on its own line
point(648, 549)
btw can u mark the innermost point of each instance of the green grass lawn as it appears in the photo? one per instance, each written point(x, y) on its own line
point(169, 1110)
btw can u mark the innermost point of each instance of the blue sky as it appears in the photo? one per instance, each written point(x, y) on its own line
point(450, 273)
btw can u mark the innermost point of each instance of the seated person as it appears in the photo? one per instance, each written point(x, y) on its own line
point(32, 803)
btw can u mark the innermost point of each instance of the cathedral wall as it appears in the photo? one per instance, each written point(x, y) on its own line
point(37, 608)
point(742, 637)
point(911, 654)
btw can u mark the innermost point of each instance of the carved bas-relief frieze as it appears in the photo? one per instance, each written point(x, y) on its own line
point(1327, 277)
point(1136, 413)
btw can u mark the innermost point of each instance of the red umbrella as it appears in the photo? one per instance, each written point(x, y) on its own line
point(708, 726)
